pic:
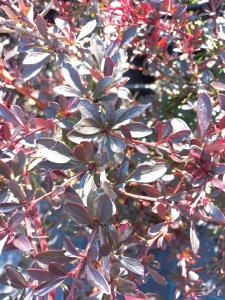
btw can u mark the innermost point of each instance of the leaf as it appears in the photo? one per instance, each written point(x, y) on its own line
point(219, 169)
point(78, 212)
point(130, 113)
point(54, 150)
point(103, 84)
point(49, 256)
point(97, 279)
point(16, 279)
point(21, 242)
point(195, 243)
point(56, 269)
point(87, 126)
point(103, 208)
point(129, 35)
point(18, 163)
point(204, 113)
point(8, 207)
point(132, 265)
point(215, 213)
point(46, 287)
point(8, 116)
point(139, 130)
point(72, 77)
point(15, 189)
point(41, 275)
point(221, 100)
point(222, 55)
point(42, 26)
point(84, 151)
point(5, 170)
point(108, 67)
point(77, 138)
point(117, 145)
point(15, 220)
point(67, 91)
point(219, 86)
point(97, 48)
point(125, 286)
point(148, 173)
point(90, 111)
point(123, 170)
point(35, 58)
point(156, 229)
point(157, 277)
point(30, 71)
point(3, 241)
point(87, 29)
point(180, 11)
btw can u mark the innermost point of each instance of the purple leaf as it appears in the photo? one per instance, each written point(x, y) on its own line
point(8, 116)
point(180, 11)
point(49, 256)
point(219, 86)
point(130, 113)
point(15, 189)
point(3, 241)
point(42, 26)
point(126, 286)
point(15, 220)
point(97, 279)
point(89, 110)
point(78, 213)
point(21, 242)
point(41, 275)
point(157, 277)
point(87, 126)
point(132, 265)
point(155, 229)
point(56, 269)
point(16, 279)
point(8, 207)
point(35, 58)
point(69, 246)
point(54, 150)
point(46, 287)
point(72, 77)
point(221, 100)
point(5, 170)
point(146, 173)
point(117, 145)
point(87, 29)
point(204, 113)
point(195, 243)
point(129, 35)
point(30, 71)
point(102, 85)
point(219, 169)
point(139, 130)
point(67, 91)
point(215, 213)
point(108, 67)
point(104, 208)
point(222, 55)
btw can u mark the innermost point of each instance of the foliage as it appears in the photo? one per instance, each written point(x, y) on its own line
point(94, 177)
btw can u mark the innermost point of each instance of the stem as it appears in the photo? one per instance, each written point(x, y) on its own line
point(139, 197)
point(76, 271)
point(36, 201)
point(153, 145)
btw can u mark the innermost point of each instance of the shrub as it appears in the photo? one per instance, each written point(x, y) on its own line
point(93, 177)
